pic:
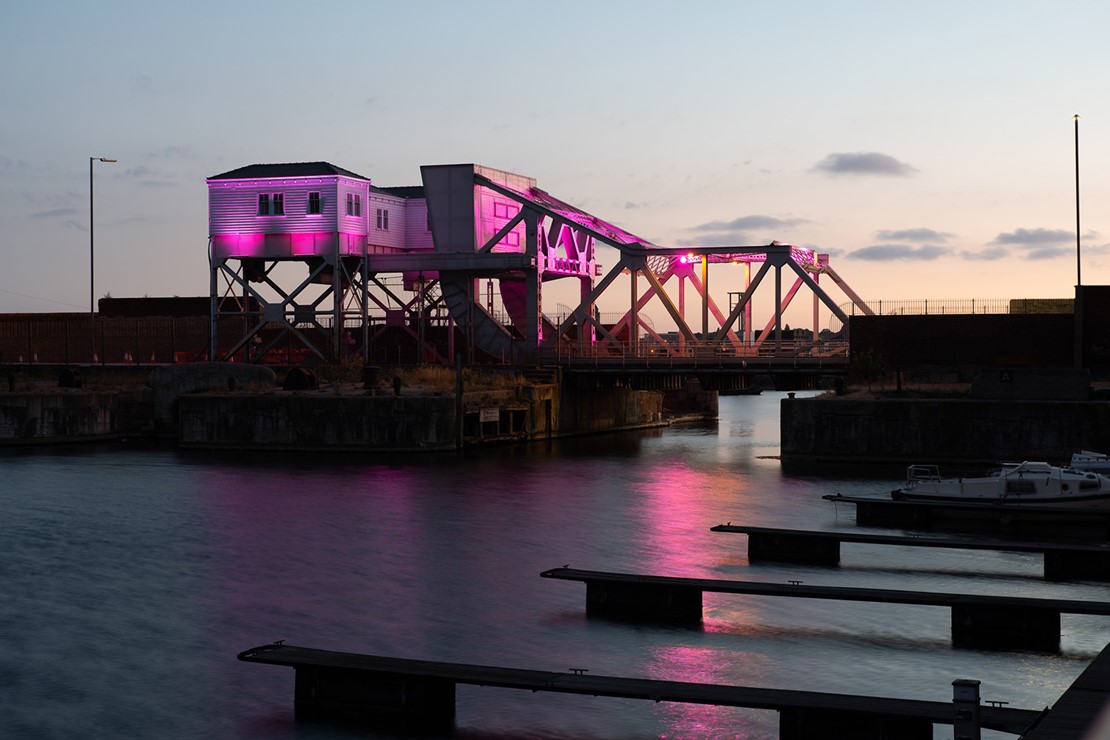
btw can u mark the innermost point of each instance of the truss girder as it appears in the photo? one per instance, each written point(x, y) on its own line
point(745, 299)
point(715, 310)
point(856, 300)
point(346, 290)
point(818, 291)
point(481, 329)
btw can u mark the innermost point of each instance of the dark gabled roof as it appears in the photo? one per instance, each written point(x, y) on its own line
point(401, 191)
point(291, 169)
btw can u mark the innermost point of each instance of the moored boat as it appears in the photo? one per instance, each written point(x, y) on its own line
point(1096, 462)
point(1026, 483)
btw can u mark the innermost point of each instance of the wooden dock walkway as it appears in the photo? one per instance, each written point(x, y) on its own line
point(978, 620)
point(1062, 560)
point(355, 686)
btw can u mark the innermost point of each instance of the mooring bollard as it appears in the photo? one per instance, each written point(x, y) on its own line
point(965, 700)
point(369, 377)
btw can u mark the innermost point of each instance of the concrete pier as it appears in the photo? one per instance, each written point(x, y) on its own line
point(977, 620)
point(1063, 560)
point(415, 693)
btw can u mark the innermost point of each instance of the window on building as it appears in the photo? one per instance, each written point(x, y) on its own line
point(501, 210)
point(354, 204)
point(512, 239)
point(271, 204)
point(383, 219)
point(314, 204)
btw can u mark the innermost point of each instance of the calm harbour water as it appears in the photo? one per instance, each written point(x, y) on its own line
point(133, 576)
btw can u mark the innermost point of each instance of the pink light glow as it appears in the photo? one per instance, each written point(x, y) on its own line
point(702, 665)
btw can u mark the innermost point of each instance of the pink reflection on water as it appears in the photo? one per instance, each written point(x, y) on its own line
point(680, 502)
point(706, 665)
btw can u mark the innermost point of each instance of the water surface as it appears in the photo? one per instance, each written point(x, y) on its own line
point(133, 576)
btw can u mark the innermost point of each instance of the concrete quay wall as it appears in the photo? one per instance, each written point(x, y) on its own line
point(228, 405)
point(825, 430)
point(320, 421)
point(311, 421)
point(73, 415)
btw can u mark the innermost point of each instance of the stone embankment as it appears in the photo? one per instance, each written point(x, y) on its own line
point(1005, 415)
point(237, 406)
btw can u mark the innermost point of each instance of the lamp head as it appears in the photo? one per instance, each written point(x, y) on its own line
point(105, 159)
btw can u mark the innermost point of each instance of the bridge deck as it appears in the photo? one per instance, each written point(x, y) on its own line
point(576, 681)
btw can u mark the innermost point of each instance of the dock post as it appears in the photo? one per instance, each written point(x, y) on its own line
point(1064, 565)
point(805, 724)
point(965, 700)
point(985, 626)
point(793, 548)
point(644, 602)
point(411, 702)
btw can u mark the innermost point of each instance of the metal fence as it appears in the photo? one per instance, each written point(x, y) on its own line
point(957, 306)
point(75, 338)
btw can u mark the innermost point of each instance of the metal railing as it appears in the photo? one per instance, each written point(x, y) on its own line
point(957, 306)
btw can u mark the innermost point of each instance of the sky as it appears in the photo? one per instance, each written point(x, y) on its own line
point(928, 148)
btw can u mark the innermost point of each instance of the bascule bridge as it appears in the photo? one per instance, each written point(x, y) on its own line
point(316, 257)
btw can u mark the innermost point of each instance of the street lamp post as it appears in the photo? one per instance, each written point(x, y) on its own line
point(1077, 349)
point(1078, 263)
point(92, 299)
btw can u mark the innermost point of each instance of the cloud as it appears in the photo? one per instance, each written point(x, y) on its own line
point(863, 163)
point(53, 213)
point(738, 231)
point(148, 176)
point(17, 166)
point(142, 85)
point(172, 152)
point(912, 235)
point(1035, 237)
point(750, 222)
point(140, 171)
point(988, 254)
point(892, 252)
point(64, 216)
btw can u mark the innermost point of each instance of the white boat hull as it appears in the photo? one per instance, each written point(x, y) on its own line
point(1015, 484)
point(1095, 462)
